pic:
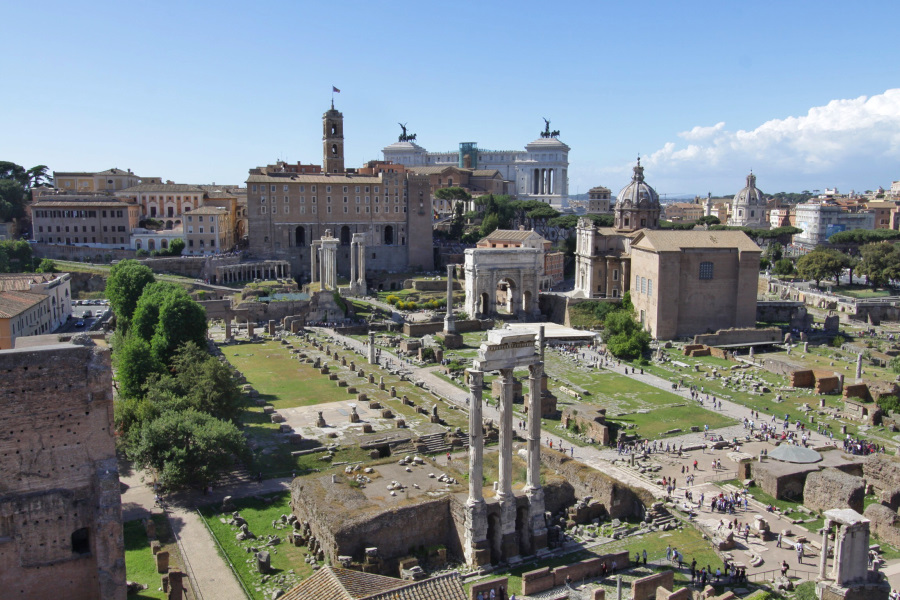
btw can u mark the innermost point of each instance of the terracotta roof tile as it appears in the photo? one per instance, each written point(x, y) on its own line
point(674, 241)
point(15, 303)
point(443, 587)
point(334, 583)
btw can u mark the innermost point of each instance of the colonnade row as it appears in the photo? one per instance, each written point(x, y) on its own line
point(545, 181)
point(251, 271)
point(502, 542)
point(323, 259)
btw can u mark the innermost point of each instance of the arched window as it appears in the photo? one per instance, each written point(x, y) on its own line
point(137, 244)
point(345, 236)
point(151, 244)
point(334, 129)
point(300, 236)
point(334, 150)
point(164, 244)
point(389, 235)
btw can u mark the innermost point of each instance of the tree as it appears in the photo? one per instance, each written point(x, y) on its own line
point(181, 320)
point(783, 267)
point(16, 183)
point(709, 220)
point(822, 263)
point(15, 256)
point(774, 252)
point(188, 448)
point(625, 338)
point(880, 262)
point(146, 311)
point(125, 285)
point(458, 222)
point(545, 212)
point(12, 200)
point(47, 266)
point(489, 224)
point(452, 194)
point(176, 247)
point(207, 383)
point(134, 363)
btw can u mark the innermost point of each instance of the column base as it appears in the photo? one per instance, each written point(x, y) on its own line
point(476, 549)
point(451, 340)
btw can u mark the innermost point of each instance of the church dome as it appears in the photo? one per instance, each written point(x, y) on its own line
point(638, 193)
point(749, 196)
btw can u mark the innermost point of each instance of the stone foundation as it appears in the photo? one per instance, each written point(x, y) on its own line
point(831, 488)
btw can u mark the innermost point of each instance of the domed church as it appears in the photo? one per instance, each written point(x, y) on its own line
point(748, 209)
point(637, 205)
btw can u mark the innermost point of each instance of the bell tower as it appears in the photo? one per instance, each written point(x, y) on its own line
point(333, 141)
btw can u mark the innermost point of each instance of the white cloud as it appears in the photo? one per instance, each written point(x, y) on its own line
point(847, 143)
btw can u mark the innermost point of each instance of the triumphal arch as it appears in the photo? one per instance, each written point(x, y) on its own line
point(505, 527)
point(503, 280)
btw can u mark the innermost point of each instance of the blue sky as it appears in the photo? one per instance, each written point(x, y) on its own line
point(801, 92)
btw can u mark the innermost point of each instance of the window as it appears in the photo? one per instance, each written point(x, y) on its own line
point(650, 287)
point(637, 282)
point(615, 274)
point(285, 188)
point(81, 541)
point(286, 200)
point(272, 188)
point(643, 285)
point(706, 270)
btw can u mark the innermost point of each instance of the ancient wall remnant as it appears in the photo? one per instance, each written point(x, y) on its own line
point(831, 488)
point(60, 504)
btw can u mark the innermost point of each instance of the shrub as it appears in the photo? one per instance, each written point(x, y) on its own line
point(392, 299)
point(838, 341)
point(889, 404)
point(895, 364)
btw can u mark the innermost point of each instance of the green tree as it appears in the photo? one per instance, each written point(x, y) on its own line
point(47, 266)
point(188, 448)
point(181, 320)
point(125, 285)
point(15, 256)
point(452, 194)
point(545, 212)
point(627, 304)
point(176, 247)
point(783, 267)
point(822, 263)
point(12, 200)
point(625, 338)
point(880, 262)
point(146, 311)
point(774, 252)
point(489, 224)
point(134, 362)
point(458, 222)
point(709, 220)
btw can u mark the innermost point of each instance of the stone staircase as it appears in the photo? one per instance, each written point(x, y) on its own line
point(659, 517)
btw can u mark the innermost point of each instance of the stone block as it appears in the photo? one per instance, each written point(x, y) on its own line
point(162, 561)
point(831, 488)
point(263, 562)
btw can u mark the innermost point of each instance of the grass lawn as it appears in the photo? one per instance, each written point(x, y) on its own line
point(286, 559)
point(861, 291)
point(140, 566)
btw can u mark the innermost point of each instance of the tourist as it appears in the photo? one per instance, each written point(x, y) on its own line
point(800, 552)
point(784, 568)
point(645, 557)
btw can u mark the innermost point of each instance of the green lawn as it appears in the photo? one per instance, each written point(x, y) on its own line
point(861, 291)
point(285, 557)
point(140, 565)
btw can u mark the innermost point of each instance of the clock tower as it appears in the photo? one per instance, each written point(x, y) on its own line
point(333, 141)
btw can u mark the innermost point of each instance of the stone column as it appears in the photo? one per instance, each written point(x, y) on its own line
point(476, 548)
point(354, 258)
point(313, 253)
point(506, 396)
point(476, 437)
point(533, 435)
point(859, 367)
point(823, 559)
point(371, 348)
point(510, 545)
point(836, 571)
point(227, 329)
point(449, 321)
point(321, 252)
point(361, 263)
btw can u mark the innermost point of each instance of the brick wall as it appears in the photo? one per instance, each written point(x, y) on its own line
point(539, 580)
point(645, 587)
point(60, 503)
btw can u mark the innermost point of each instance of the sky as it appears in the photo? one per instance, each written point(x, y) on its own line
point(806, 94)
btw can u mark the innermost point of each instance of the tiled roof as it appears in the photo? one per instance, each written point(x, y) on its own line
point(434, 170)
point(443, 587)
point(71, 200)
point(333, 179)
point(174, 188)
point(22, 282)
point(674, 241)
point(485, 173)
point(15, 303)
point(334, 583)
point(510, 235)
point(208, 210)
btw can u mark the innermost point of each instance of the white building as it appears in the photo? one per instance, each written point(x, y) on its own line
point(538, 173)
point(748, 209)
point(820, 220)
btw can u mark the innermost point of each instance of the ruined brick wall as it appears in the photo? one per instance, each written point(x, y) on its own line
point(725, 337)
point(540, 580)
point(772, 479)
point(857, 390)
point(60, 506)
point(884, 523)
point(645, 587)
point(802, 379)
point(619, 499)
point(830, 488)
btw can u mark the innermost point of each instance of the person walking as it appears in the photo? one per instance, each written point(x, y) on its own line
point(778, 543)
point(645, 557)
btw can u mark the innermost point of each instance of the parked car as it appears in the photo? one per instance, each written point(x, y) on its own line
point(79, 324)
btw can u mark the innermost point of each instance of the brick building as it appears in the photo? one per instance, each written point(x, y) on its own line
point(32, 304)
point(94, 220)
point(553, 263)
point(287, 210)
point(60, 505)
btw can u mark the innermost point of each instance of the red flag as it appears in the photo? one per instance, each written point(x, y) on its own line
point(334, 89)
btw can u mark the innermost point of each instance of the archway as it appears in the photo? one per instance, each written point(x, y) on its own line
point(168, 224)
point(507, 295)
point(137, 244)
point(164, 244)
point(484, 304)
point(345, 235)
point(300, 236)
point(388, 235)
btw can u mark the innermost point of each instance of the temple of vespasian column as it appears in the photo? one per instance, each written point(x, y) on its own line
point(491, 534)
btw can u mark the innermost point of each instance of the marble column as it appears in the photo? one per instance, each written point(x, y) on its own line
point(361, 263)
point(321, 254)
point(506, 434)
point(859, 367)
point(533, 435)
point(314, 272)
point(449, 321)
point(354, 258)
point(476, 547)
point(371, 348)
point(476, 437)
point(823, 558)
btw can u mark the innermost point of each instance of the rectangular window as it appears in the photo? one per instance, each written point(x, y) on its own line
point(327, 189)
point(637, 283)
point(357, 189)
point(706, 270)
point(286, 200)
point(201, 229)
point(272, 188)
point(650, 287)
point(302, 188)
point(285, 188)
point(615, 274)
